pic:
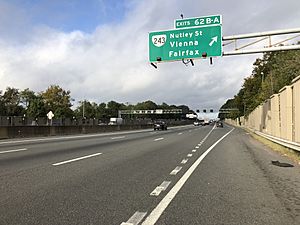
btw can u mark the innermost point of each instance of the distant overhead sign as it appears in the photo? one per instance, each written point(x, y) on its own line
point(198, 21)
point(185, 43)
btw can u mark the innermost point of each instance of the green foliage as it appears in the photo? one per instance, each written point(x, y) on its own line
point(26, 102)
point(10, 101)
point(58, 101)
point(146, 105)
point(36, 107)
point(2, 105)
point(271, 73)
point(27, 96)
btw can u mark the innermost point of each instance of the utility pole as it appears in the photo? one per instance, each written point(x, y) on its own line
point(83, 109)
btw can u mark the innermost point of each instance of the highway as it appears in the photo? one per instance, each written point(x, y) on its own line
point(185, 175)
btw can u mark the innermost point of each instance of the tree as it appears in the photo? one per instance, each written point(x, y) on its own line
point(185, 109)
point(58, 100)
point(101, 111)
point(271, 73)
point(11, 100)
point(26, 96)
point(163, 106)
point(2, 105)
point(86, 109)
point(113, 108)
point(147, 105)
point(36, 107)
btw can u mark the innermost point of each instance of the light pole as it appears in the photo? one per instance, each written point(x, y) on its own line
point(83, 109)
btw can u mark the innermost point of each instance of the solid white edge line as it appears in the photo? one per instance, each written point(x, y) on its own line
point(76, 159)
point(15, 150)
point(163, 204)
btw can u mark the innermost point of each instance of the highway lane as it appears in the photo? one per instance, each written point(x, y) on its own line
point(28, 153)
point(133, 174)
point(237, 184)
point(40, 178)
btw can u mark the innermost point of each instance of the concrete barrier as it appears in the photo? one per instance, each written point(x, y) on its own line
point(39, 131)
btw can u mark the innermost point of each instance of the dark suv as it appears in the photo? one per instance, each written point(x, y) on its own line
point(219, 124)
point(160, 125)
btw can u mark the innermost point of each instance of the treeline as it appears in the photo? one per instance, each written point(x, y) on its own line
point(14, 102)
point(271, 73)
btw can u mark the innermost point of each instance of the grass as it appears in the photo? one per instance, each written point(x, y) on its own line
point(291, 154)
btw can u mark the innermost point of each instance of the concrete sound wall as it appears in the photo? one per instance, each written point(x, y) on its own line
point(279, 116)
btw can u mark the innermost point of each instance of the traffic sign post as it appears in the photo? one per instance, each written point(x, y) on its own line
point(50, 115)
point(198, 21)
point(188, 43)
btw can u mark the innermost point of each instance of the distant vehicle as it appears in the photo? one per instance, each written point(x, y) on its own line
point(115, 121)
point(219, 124)
point(206, 122)
point(201, 122)
point(160, 125)
point(196, 123)
point(212, 122)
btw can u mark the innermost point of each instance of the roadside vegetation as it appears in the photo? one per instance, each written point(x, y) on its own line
point(270, 73)
point(14, 102)
point(284, 151)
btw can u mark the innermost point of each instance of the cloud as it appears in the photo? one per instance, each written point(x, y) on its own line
point(111, 63)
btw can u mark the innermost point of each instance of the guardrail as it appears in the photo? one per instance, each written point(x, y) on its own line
point(289, 144)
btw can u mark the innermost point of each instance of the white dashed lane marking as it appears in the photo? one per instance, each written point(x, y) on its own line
point(14, 150)
point(184, 161)
point(153, 217)
point(189, 155)
point(164, 185)
point(158, 139)
point(120, 137)
point(194, 150)
point(176, 170)
point(136, 218)
point(76, 159)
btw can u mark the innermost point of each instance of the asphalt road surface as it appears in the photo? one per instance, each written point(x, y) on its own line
point(185, 175)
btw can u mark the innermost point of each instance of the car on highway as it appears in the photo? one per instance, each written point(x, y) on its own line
point(160, 125)
point(219, 124)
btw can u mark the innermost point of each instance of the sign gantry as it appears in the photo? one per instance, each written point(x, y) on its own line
point(201, 37)
point(196, 38)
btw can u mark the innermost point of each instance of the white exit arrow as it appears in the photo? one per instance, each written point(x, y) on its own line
point(213, 40)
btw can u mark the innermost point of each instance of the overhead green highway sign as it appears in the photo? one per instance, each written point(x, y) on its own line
point(188, 43)
point(198, 21)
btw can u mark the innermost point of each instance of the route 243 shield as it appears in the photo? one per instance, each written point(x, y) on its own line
point(159, 40)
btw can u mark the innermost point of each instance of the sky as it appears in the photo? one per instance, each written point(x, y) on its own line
point(98, 49)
